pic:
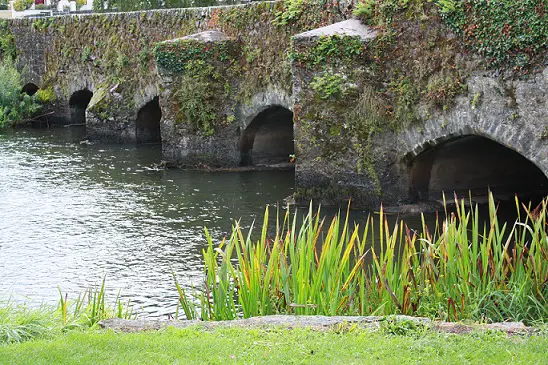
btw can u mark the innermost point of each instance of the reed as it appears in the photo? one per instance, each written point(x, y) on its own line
point(462, 269)
point(90, 307)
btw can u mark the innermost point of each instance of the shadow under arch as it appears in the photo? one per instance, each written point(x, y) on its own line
point(471, 164)
point(269, 138)
point(30, 89)
point(78, 104)
point(147, 124)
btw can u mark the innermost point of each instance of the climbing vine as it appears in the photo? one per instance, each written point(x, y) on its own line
point(175, 55)
point(506, 33)
point(327, 50)
point(202, 94)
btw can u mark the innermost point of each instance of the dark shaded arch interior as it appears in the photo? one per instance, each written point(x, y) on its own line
point(269, 138)
point(30, 89)
point(78, 104)
point(472, 165)
point(147, 125)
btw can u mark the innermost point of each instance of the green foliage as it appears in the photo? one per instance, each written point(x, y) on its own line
point(329, 49)
point(14, 105)
point(45, 96)
point(85, 53)
point(329, 85)
point(98, 6)
point(291, 12)
point(133, 5)
point(403, 327)
point(200, 95)
point(7, 42)
point(10, 84)
point(174, 56)
point(506, 33)
point(384, 12)
point(364, 10)
point(20, 5)
point(19, 323)
point(460, 269)
point(91, 307)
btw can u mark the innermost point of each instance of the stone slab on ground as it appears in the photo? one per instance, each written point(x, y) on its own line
point(313, 322)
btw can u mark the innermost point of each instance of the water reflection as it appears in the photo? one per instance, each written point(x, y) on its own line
point(71, 213)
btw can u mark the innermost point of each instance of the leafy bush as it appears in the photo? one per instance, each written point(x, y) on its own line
point(45, 96)
point(14, 105)
point(21, 5)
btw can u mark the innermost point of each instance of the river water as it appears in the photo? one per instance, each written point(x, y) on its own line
point(72, 213)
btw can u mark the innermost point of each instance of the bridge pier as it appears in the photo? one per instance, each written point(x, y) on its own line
point(325, 67)
point(198, 126)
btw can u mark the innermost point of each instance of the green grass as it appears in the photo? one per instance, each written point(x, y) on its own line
point(462, 269)
point(252, 346)
point(19, 322)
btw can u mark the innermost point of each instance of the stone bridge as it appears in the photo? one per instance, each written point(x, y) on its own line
point(254, 84)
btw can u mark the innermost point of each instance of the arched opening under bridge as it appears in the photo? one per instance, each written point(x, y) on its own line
point(471, 165)
point(147, 124)
point(78, 104)
point(30, 89)
point(269, 138)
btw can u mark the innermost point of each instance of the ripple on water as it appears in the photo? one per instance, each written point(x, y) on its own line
point(71, 213)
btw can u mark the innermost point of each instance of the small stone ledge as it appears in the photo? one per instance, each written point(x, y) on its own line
point(347, 28)
point(205, 37)
point(320, 323)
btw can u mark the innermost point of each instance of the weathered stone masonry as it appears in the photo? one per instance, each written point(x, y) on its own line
point(213, 71)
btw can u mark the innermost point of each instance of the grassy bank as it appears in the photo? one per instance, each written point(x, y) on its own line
point(300, 346)
point(464, 268)
point(19, 322)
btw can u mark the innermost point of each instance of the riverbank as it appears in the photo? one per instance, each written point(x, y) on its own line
point(277, 346)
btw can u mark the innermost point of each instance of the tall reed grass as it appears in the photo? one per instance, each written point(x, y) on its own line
point(90, 307)
point(461, 269)
point(19, 322)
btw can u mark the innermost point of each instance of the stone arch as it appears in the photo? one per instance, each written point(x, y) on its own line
point(147, 123)
point(268, 138)
point(78, 104)
point(470, 163)
point(261, 101)
point(30, 89)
